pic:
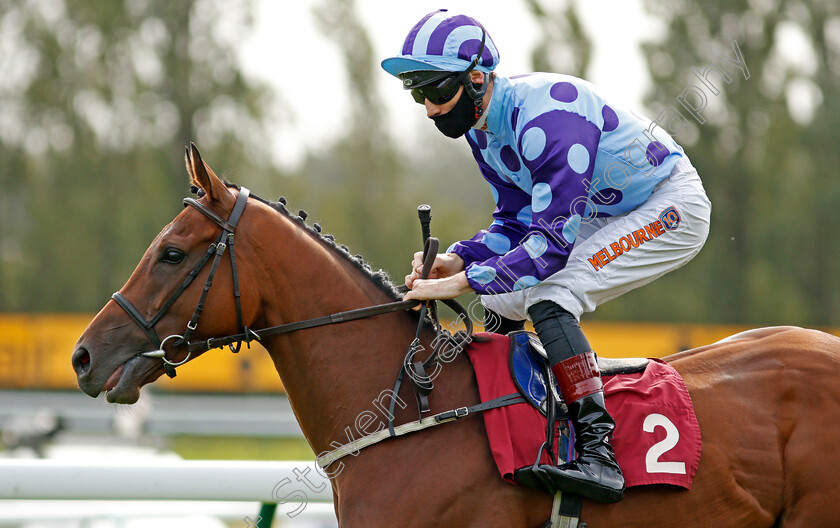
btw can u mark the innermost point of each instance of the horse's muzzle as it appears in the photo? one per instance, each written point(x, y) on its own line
point(81, 364)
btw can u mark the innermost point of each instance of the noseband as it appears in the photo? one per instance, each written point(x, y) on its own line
point(225, 240)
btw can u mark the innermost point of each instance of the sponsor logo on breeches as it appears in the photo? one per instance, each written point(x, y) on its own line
point(669, 220)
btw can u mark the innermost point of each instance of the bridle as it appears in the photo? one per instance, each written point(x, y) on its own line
point(217, 248)
point(422, 383)
point(245, 334)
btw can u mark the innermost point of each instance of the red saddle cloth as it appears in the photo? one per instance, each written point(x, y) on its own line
point(656, 439)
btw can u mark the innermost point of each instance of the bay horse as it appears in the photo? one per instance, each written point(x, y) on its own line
point(767, 400)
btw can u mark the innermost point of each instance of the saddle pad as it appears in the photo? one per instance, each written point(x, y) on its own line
point(656, 439)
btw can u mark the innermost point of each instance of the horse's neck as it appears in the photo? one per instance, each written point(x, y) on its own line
point(336, 373)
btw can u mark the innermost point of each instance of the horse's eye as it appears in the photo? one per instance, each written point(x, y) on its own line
point(173, 256)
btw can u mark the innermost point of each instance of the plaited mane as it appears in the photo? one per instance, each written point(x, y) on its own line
point(379, 278)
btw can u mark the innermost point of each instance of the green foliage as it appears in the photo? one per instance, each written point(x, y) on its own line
point(564, 45)
point(241, 448)
point(768, 157)
point(101, 98)
point(96, 105)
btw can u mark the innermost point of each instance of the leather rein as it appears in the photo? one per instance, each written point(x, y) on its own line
point(216, 250)
point(443, 346)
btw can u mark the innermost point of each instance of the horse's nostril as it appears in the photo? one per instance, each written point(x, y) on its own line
point(81, 361)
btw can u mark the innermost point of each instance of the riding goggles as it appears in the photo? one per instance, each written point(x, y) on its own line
point(438, 87)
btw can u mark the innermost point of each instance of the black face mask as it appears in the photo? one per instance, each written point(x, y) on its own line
point(458, 120)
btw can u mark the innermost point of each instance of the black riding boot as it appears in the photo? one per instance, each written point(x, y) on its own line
point(595, 473)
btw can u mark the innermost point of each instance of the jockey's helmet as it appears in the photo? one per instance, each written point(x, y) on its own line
point(445, 42)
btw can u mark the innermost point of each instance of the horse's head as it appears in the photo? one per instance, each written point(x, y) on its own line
point(157, 307)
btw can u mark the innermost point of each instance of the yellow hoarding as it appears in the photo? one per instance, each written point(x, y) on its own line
point(35, 351)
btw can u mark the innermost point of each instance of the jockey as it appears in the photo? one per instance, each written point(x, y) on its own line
point(592, 200)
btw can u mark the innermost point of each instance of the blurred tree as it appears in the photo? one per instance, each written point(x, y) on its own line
point(564, 46)
point(97, 100)
point(352, 184)
point(767, 154)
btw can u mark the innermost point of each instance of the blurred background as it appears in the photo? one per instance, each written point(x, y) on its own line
point(99, 98)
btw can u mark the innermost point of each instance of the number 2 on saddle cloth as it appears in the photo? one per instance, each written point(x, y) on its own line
point(657, 437)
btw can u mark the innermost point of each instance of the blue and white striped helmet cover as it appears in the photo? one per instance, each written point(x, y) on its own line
point(443, 41)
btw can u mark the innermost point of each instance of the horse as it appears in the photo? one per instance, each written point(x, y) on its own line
point(767, 400)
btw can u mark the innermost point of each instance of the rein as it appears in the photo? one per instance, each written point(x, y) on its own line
point(246, 335)
point(339, 317)
point(442, 346)
point(422, 383)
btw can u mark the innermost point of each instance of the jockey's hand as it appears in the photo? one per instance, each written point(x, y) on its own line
point(445, 265)
point(447, 288)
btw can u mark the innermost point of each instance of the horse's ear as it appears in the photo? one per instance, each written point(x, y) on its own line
point(201, 174)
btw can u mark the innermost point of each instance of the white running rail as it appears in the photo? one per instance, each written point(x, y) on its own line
point(144, 479)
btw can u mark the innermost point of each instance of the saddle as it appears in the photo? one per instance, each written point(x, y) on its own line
point(531, 371)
